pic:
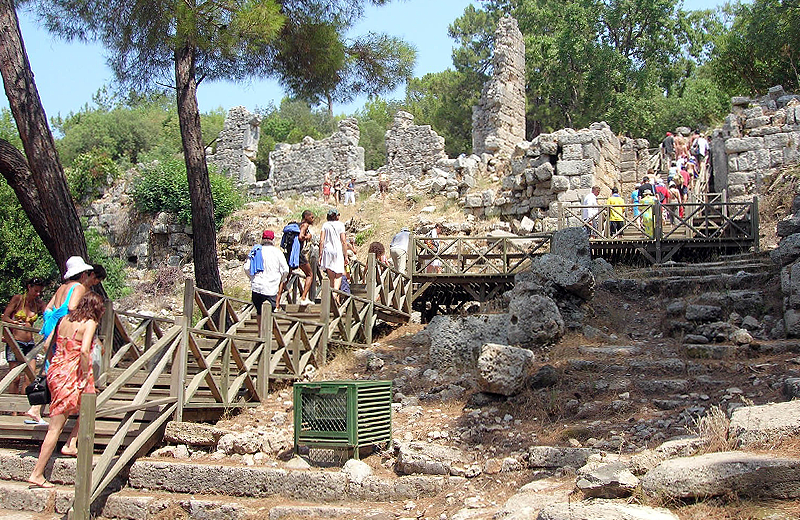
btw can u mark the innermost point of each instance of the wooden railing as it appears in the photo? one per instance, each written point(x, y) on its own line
point(475, 256)
point(695, 220)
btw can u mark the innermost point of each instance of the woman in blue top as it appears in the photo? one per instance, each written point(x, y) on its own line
point(66, 298)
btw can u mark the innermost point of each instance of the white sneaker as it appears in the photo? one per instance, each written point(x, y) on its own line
point(304, 303)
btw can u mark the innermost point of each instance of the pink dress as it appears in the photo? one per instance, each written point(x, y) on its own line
point(64, 376)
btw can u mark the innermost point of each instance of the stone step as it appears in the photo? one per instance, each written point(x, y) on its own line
point(686, 284)
point(133, 504)
point(313, 485)
point(37, 503)
point(8, 514)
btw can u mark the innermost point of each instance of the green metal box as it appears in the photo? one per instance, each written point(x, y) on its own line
point(342, 414)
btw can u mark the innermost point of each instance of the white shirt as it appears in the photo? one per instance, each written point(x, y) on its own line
point(400, 241)
point(702, 146)
point(590, 200)
point(275, 269)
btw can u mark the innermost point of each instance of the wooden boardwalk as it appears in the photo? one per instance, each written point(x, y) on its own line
point(214, 358)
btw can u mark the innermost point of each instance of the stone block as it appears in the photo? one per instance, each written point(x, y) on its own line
point(743, 144)
point(582, 167)
point(572, 152)
point(755, 122)
point(587, 181)
point(559, 183)
point(503, 369)
point(556, 457)
point(741, 178)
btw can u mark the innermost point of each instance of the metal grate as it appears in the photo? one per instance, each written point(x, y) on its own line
point(324, 412)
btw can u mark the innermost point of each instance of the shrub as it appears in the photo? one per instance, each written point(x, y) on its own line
point(163, 186)
point(89, 174)
point(22, 255)
point(115, 284)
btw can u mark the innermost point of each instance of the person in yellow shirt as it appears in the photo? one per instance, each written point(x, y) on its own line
point(615, 219)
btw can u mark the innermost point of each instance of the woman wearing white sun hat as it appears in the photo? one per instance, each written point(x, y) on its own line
point(64, 300)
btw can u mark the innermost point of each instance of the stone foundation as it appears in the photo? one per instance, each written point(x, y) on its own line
point(237, 146)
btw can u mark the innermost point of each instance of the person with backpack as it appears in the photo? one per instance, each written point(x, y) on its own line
point(267, 269)
point(295, 242)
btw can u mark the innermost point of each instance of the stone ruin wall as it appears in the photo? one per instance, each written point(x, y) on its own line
point(498, 121)
point(758, 138)
point(237, 145)
point(301, 167)
point(554, 168)
point(634, 163)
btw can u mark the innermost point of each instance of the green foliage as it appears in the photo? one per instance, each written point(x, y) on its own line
point(89, 174)
point(628, 62)
point(22, 255)
point(115, 284)
point(137, 127)
point(8, 128)
point(444, 100)
point(762, 47)
point(373, 120)
point(163, 186)
point(363, 236)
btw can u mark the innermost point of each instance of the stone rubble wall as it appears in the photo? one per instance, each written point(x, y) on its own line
point(553, 168)
point(411, 150)
point(301, 167)
point(142, 240)
point(758, 138)
point(634, 163)
point(237, 145)
point(498, 121)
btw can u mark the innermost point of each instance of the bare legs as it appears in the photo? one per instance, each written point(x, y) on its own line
point(336, 282)
point(306, 268)
point(48, 446)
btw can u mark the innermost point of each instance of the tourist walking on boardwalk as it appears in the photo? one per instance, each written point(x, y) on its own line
point(647, 202)
point(267, 269)
point(383, 184)
point(304, 238)
point(78, 281)
point(23, 309)
point(398, 249)
point(590, 211)
point(70, 376)
point(332, 247)
point(615, 218)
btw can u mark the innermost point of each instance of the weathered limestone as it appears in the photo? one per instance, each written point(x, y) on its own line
point(554, 168)
point(301, 167)
point(502, 369)
point(411, 150)
point(558, 457)
point(607, 510)
point(606, 480)
point(758, 138)
point(717, 474)
point(456, 341)
point(428, 459)
point(765, 424)
point(634, 162)
point(498, 121)
point(237, 145)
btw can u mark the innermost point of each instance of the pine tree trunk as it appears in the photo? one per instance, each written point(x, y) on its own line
point(204, 233)
point(54, 216)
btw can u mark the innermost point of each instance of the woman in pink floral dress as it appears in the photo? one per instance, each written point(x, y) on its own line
point(69, 376)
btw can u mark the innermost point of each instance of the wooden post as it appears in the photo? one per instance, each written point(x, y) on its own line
point(371, 280)
point(561, 223)
point(83, 475)
point(107, 333)
point(178, 384)
point(411, 256)
point(755, 220)
point(325, 318)
point(265, 335)
point(657, 229)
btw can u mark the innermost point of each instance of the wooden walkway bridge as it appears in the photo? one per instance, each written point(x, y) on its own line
point(213, 357)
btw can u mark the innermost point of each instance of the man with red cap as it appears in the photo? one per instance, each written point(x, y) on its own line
point(267, 269)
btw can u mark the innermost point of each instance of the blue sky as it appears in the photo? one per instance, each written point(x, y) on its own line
point(67, 74)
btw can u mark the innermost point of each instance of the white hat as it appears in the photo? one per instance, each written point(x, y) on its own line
point(76, 265)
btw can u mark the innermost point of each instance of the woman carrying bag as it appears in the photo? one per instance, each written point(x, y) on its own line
point(69, 376)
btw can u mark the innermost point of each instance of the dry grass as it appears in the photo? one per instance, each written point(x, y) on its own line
point(713, 429)
point(739, 510)
point(776, 203)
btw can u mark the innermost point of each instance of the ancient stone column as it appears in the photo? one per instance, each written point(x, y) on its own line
point(498, 121)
